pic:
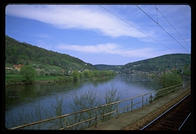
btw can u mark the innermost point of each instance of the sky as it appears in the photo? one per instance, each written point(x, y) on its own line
point(102, 34)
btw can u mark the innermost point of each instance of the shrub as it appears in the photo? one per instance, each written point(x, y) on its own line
point(76, 76)
point(170, 78)
point(186, 70)
point(110, 96)
point(84, 101)
point(28, 73)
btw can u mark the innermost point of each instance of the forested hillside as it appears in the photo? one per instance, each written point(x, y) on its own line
point(158, 64)
point(23, 53)
point(108, 67)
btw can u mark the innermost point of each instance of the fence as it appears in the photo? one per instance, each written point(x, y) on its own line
point(91, 116)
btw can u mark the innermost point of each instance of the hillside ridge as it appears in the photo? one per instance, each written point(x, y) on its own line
point(24, 53)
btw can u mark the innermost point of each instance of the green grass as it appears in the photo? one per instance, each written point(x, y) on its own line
point(160, 93)
point(18, 78)
point(13, 78)
point(40, 78)
point(54, 78)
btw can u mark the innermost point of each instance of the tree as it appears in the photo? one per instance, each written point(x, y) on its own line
point(76, 76)
point(170, 78)
point(86, 73)
point(28, 73)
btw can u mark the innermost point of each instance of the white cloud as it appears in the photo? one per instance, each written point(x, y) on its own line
point(74, 16)
point(101, 48)
point(42, 35)
point(109, 48)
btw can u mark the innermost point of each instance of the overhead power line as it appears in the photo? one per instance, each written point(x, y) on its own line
point(160, 26)
point(123, 20)
point(156, 12)
point(169, 23)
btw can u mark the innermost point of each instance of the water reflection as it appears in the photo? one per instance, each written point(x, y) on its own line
point(19, 94)
point(34, 102)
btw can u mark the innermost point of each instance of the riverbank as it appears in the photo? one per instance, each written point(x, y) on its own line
point(17, 79)
point(29, 103)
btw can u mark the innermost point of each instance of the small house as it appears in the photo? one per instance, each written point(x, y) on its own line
point(17, 67)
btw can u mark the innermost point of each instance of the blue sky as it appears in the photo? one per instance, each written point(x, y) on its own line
point(102, 34)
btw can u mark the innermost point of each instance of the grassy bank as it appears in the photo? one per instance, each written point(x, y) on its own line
point(17, 78)
point(13, 79)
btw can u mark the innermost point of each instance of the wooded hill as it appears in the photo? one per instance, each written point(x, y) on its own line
point(108, 67)
point(23, 53)
point(158, 64)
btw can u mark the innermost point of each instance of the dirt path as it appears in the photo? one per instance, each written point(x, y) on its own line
point(137, 118)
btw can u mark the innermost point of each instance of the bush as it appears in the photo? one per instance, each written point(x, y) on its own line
point(86, 74)
point(84, 101)
point(170, 78)
point(87, 100)
point(76, 76)
point(110, 96)
point(28, 73)
point(186, 70)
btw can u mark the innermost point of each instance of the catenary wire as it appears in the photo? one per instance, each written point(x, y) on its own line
point(129, 24)
point(170, 23)
point(160, 26)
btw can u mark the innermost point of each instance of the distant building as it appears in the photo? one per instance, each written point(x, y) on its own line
point(17, 67)
point(8, 68)
point(70, 71)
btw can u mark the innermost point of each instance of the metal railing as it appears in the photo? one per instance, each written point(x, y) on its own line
point(116, 110)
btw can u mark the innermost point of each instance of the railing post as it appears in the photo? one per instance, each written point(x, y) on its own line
point(117, 111)
point(103, 112)
point(89, 121)
point(127, 108)
point(150, 97)
point(65, 123)
point(131, 104)
point(96, 119)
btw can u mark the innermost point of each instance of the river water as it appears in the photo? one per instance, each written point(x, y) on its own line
point(28, 103)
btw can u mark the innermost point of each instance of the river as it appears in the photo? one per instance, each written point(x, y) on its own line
point(28, 103)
